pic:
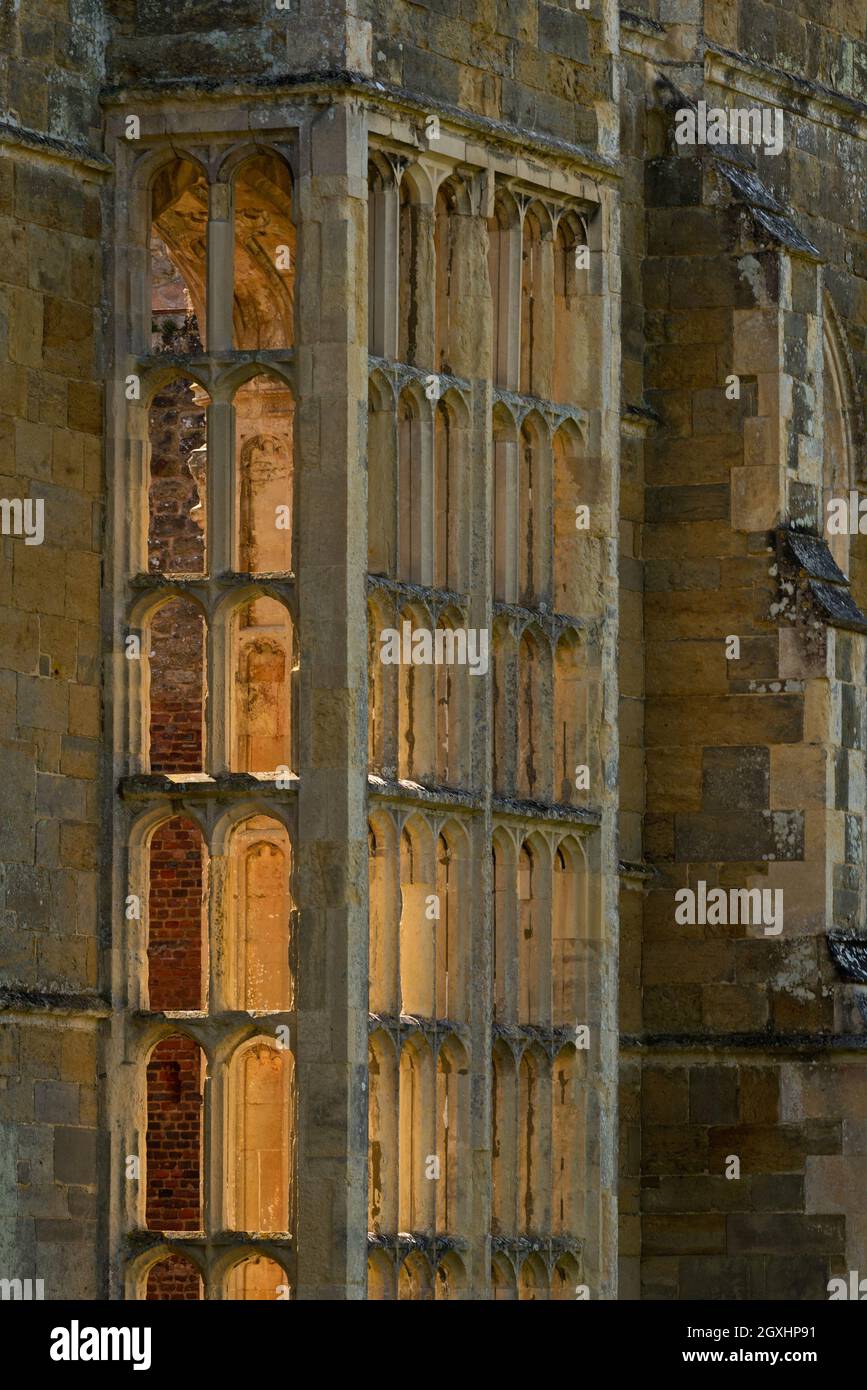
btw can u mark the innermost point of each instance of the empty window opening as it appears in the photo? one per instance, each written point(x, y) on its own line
point(174, 1279)
point(177, 496)
point(177, 919)
point(260, 977)
point(264, 254)
point(176, 667)
point(264, 428)
point(257, 1280)
point(175, 1077)
point(262, 656)
point(258, 1138)
point(179, 211)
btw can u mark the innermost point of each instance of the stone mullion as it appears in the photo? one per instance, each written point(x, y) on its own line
point(221, 257)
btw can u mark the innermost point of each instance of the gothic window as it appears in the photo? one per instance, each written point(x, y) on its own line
point(504, 268)
point(174, 646)
point(264, 252)
point(264, 420)
point(257, 1279)
point(417, 1190)
point(173, 1166)
point(177, 437)
point(382, 1174)
point(174, 1278)
point(176, 920)
point(258, 1137)
point(178, 258)
point(382, 259)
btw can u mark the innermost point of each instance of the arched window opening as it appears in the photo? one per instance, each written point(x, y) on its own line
point(531, 780)
point(505, 508)
point(258, 965)
point(417, 922)
point(258, 1138)
point(382, 523)
point(444, 250)
point(415, 269)
point(565, 1279)
point(451, 1278)
point(503, 1285)
point(567, 963)
point(177, 495)
point(504, 1121)
point(263, 666)
point(534, 1138)
point(417, 725)
point(417, 1190)
point(505, 697)
point(570, 720)
point(535, 297)
point(264, 428)
point(175, 1077)
point(380, 1277)
point(382, 260)
point(504, 932)
point(450, 500)
point(264, 255)
point(414, 489)
point(382, 1157)
point(452, 697)
point(576, 554)
point(174, 1279)
point(384, 889)
point(179, 228)
point(504, 269)
point(568, 280)
point(415, 1281)
point(452, 1120)
point(534, 1280)
point(567, 1142)
point(532, 550)
point(257, 1279)
point(177, 918)
point(450, 966)
point(176, 696)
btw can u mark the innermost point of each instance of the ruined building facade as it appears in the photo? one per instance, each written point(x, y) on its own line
point(333, 335)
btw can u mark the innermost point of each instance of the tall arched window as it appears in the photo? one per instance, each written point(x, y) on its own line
point(258, 1137)
point(536, 303)
point(382, 259)
point(415, 489)
point(570, 719)
point(504, 1146)
point(417, 1137)
point(258, 943)
point(264, 426)
point(176, 918)
point(264, 254)
point(417, 921)
point(175, 644)
point(534, 1129)
point(262, 662)
point(177, 494)
point(179, 213)
point(173, 1191)
point(504, 268)
point(384, 915)
point(382, 1164)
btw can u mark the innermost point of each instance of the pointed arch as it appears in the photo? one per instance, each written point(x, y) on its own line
point(383, 1170)
point(264, 252)
point(453, 1183)
point(258, 1137)
point(417, 1190)
point(417, 921)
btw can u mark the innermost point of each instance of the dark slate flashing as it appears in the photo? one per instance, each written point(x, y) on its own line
point(826, 584)
point(746, 183)
point(785, 232)
point(630, 20)
point(814, 557)
point(838, 605)
point(849, 954)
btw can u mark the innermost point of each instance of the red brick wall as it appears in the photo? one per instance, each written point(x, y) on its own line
point(174, 1136)
point(174, 1279)
point(175, 916)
